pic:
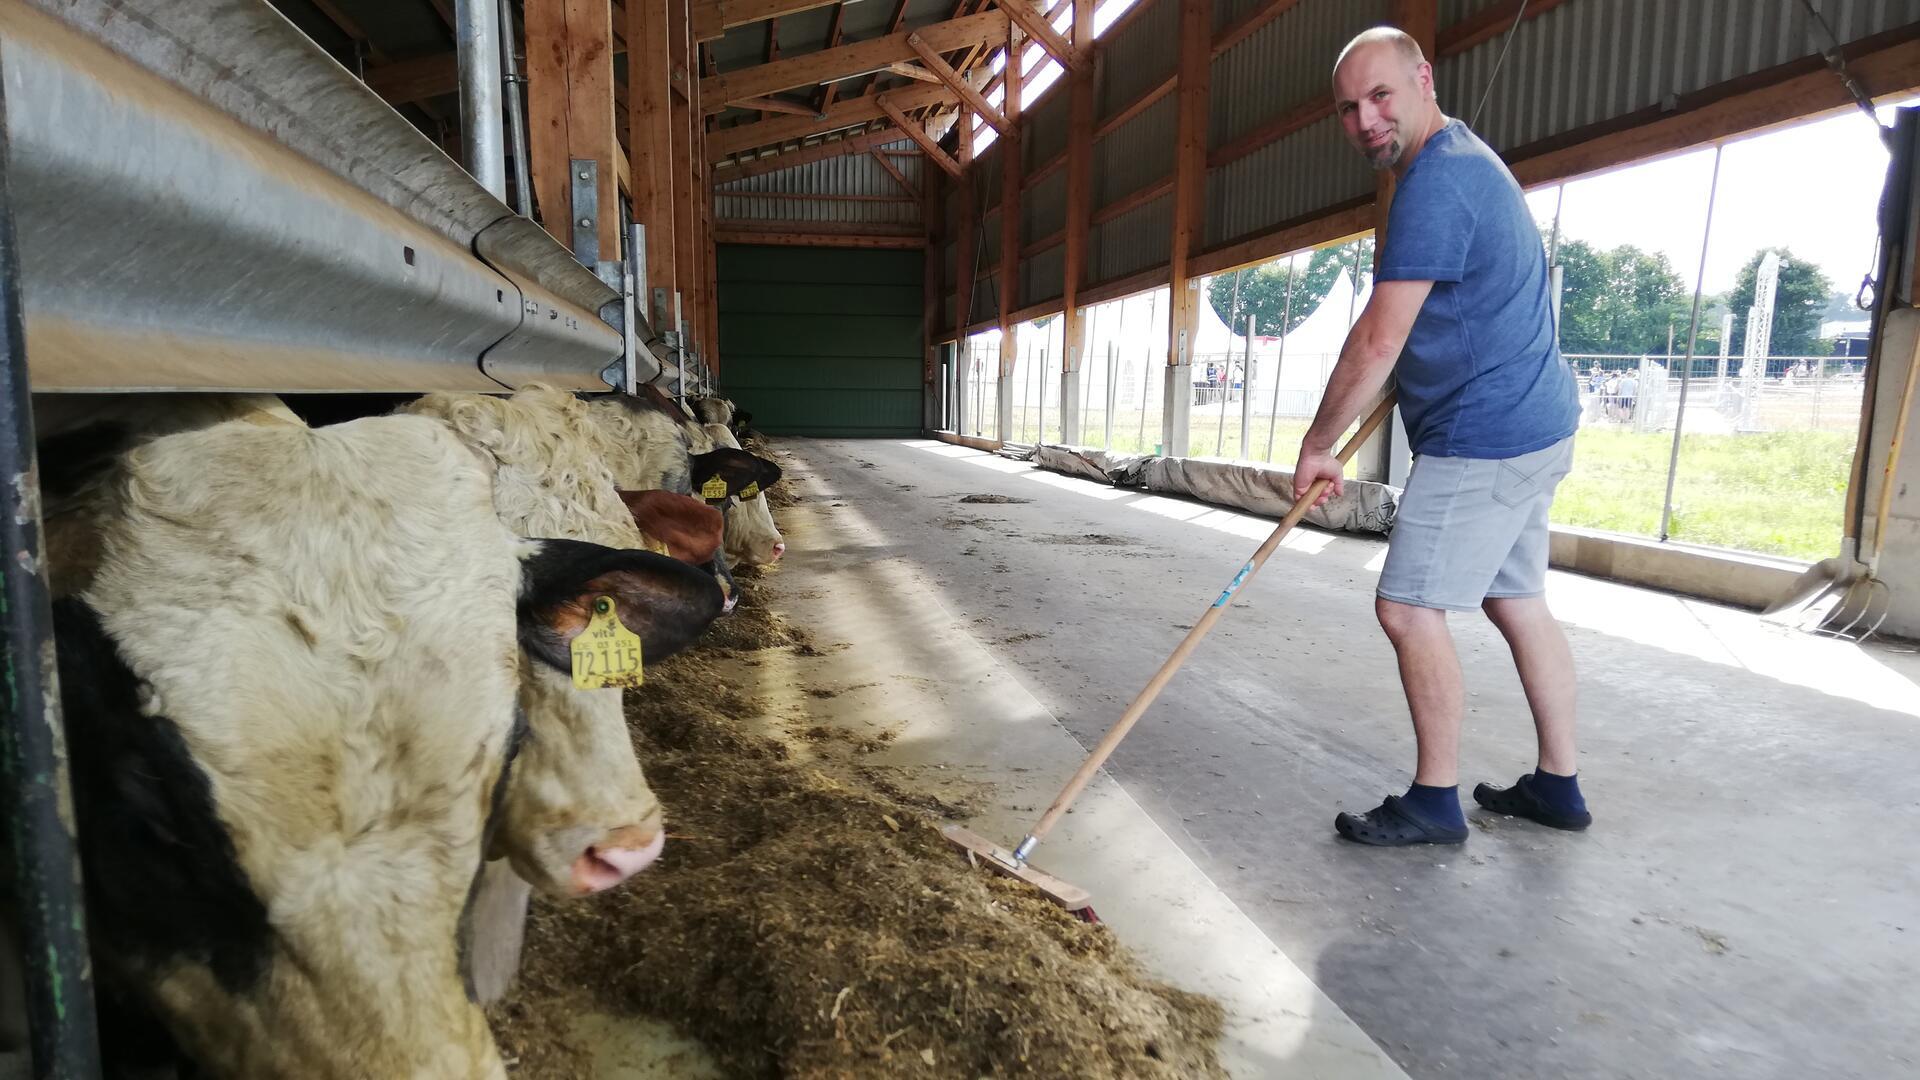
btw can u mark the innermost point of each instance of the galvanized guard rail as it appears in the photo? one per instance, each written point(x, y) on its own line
point(206, 200)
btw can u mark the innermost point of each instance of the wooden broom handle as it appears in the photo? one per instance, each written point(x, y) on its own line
point(1212, 615)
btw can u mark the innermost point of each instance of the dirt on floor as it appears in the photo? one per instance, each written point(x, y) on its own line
point(808, 920)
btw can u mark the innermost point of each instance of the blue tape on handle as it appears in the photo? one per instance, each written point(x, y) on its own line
point(1233, 585)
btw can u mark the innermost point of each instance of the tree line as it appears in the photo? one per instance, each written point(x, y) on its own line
point(1620, 301)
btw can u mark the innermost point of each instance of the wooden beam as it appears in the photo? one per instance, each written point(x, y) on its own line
point(776, 105)
point(842, 114)
point(846, 61)
point(1052, 165)
point(1040, 29)
point(894, 24)
point(1080, 107)
point(1342, 222)
point(684, 119)
point(771, 163)
point(1485, 25)
point(894, 171)
point(956, 82)
point(1136, 107)
point(1052, 240)
point(407, 81)
point(1133, 200)
point(911, 71)
point(570, 114)
point(650, 144)
point(966, 235)
point(1011, 157)
point(1189, 187)
point(1300, 116)
point(1253, 20)
point(754, 232)
point(919, 135)
point(834, 33)
point(712, 18)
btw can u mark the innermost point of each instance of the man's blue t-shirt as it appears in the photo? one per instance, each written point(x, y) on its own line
point(1481, 375)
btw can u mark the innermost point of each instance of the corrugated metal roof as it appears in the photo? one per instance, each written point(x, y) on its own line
point(1284, 64)
point(1137, 152)
point(758, 198)
point(1138, 56)
point(1041, 277)
point(1306, 171)
point(1134, 240)
point(1045, 134)
point(1043, 207)
point(1593, 60)
point(1453, 11)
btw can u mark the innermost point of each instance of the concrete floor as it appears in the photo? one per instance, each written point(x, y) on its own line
point(1747, 904)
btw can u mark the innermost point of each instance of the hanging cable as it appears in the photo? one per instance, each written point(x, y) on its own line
point(1498, 63)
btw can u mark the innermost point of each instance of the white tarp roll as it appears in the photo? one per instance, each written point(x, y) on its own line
point(1365, 506)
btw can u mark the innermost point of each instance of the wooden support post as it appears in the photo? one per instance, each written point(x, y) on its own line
point(1189, 217)
point(967, 221)
point(956, 82)
point(919, 135)
point(705, 316)
point(650, 142)
point(1010, 176)
point(686, 262)
point(1080, 111)
point(570, 114)
point(933, 221)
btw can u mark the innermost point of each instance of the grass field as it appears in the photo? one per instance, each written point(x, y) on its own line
point(1778, 494)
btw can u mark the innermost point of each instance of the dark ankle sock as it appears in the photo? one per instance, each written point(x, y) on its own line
point(1440, 805)
point(1560, 793)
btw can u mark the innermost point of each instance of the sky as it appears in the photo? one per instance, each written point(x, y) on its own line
point(1814, 188)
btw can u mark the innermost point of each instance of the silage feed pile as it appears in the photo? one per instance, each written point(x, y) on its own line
point(805, 923)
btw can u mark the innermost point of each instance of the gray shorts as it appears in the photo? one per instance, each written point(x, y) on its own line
point(1472, 528)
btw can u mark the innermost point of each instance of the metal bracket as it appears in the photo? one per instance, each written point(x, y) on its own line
point(584, 173)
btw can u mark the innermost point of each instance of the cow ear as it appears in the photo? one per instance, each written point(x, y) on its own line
point(665, 601)
point(769, 472)
point(736, 469)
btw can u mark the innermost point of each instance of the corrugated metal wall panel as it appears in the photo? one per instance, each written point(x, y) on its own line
point(1045, 132)
point(1043, 207)
point(1137, 153)
point(729, 207)
point(1228, 12)
point(1593, 60)
point(1453, 11)
point(1306, 171)
point(988, 245)
point(851, 174)
point(1134, 241)
point(1138, 57)
point(755, 198)
point(1041, 276)
point(1284, 64)
point(986, 299)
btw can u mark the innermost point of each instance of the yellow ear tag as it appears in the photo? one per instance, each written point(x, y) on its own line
point(750, 490)
point(606, 653)
point(714, 488)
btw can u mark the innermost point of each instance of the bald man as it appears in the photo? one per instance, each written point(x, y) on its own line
point(1460, 315)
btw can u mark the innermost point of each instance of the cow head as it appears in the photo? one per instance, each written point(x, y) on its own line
point(751, 537)
point(689, 529)
point(578, 816)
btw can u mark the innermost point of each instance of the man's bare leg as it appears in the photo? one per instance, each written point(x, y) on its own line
point(1551, 793)
point(1545, 663)
point(1430, 675)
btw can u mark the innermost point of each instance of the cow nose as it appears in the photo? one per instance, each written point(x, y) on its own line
point(621, 854)
point(779, 550)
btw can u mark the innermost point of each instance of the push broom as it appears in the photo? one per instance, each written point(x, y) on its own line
point(1014, 863)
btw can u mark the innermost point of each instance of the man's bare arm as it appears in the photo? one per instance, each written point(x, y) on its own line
point(1372, 347)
